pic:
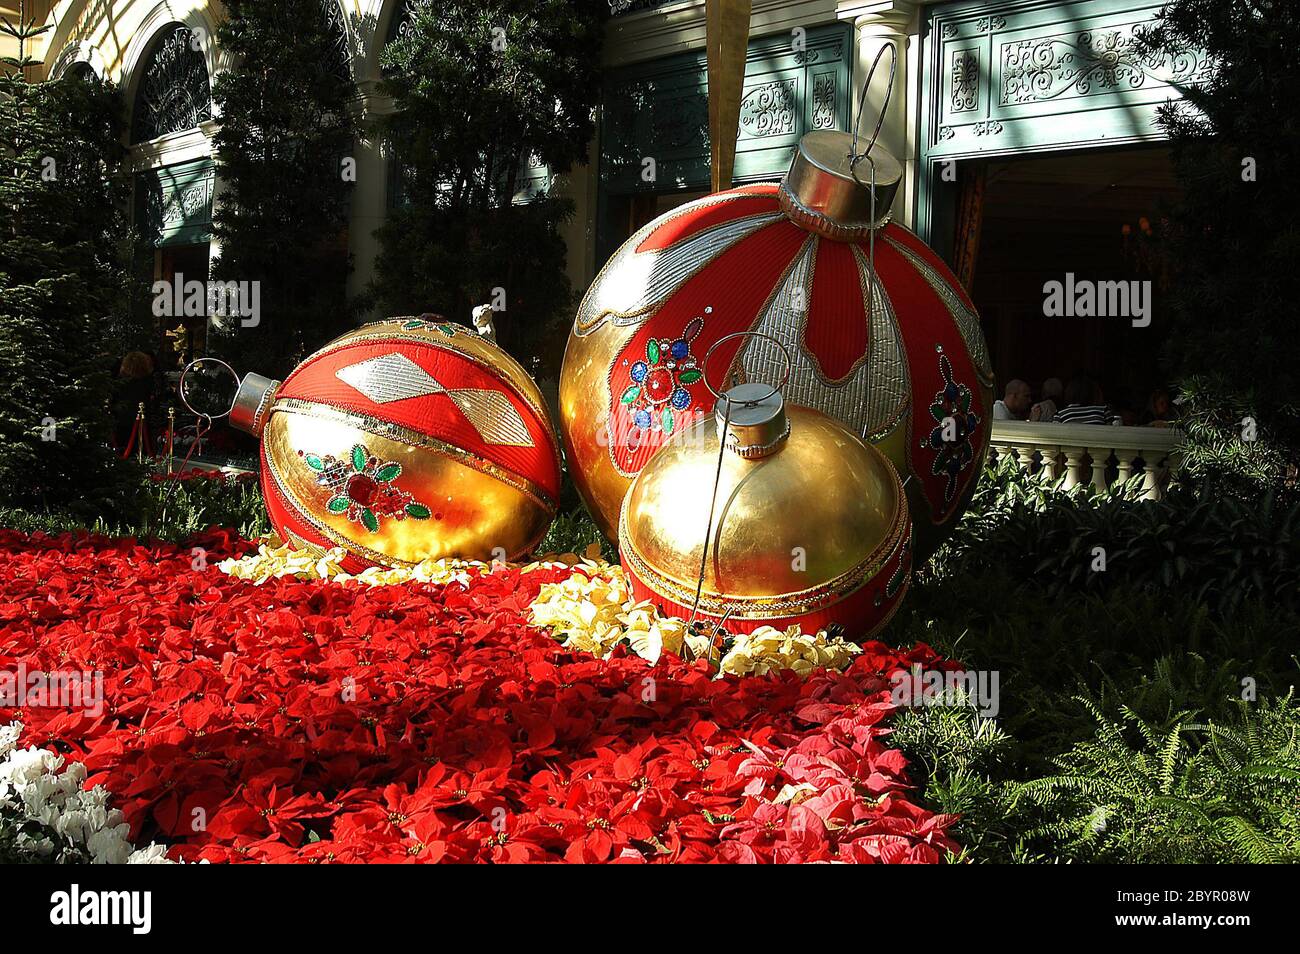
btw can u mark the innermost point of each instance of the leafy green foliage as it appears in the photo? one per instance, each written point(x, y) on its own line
point(19, 839)
point(1234, 238)
point(1228, 451)
point(1132, 792)
point(65, 301)
point(1223, 792)
point(480, 89)
point(1221, 550)
point(161, 509)
point(1006, 595)
point(575, 532)
point(288, 122)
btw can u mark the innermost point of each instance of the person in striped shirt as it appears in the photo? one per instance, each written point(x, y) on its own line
point(1084, 404)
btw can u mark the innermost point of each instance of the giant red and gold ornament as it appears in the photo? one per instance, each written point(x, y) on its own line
point(807, 525)
point(404, 440)
point(893, 350)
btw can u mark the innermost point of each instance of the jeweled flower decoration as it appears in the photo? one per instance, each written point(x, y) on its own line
point(658, 391)
point(420, 324)
point(362, 488)
point(955, 425)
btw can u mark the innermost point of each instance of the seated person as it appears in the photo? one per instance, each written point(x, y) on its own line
point(1160, 410)
point(1015, 402)
point(1084, 404)
point(1053, 395)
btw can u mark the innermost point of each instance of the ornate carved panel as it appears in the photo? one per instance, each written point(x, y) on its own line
point(1018, 75)
point(965, 80)
point(174, 204)
point(768, 110)
point(824, 101)
point(1090, 63)
point(174, 93)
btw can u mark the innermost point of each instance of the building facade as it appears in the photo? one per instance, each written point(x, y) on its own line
point(1026, 129)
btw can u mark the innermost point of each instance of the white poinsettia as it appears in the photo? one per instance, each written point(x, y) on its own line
point(36, 789)
point(275, 558)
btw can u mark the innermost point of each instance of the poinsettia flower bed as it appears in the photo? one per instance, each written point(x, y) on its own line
point(327, 721)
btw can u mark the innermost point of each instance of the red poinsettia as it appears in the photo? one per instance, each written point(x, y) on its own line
point(326, 722)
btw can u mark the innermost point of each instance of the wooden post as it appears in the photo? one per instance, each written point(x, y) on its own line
point(726, 41)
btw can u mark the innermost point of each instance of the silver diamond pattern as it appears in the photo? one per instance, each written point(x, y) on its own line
point(635, 283)
point(388, 378)
point(395, 377)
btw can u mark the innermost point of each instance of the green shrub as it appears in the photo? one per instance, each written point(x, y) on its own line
point(575, 532)
point(1219, 550)
point(1160, 648)
point(64, 292)
point(1133, 792)
point(172, 510)
point(1221, 792)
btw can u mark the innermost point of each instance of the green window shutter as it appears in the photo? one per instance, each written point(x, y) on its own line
point(660, 111)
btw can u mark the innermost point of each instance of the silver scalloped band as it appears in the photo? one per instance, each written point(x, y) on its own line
point(814, 221)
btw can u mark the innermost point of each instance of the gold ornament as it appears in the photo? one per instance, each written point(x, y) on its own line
point(404, 441)
point(809, 524)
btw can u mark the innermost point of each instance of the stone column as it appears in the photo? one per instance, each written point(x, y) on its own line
point(579, 233)
point(369, 206)
point(879, 23)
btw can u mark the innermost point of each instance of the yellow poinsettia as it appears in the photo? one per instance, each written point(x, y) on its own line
point(275, 558)
point(768, 649)
point(591, 610)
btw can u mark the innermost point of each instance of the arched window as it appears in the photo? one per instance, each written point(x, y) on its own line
point(340, 62)
point(81, 71)
point(400, 21)
point(174, 93)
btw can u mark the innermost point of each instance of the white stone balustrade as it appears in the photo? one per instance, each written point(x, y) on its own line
point(1091, 453)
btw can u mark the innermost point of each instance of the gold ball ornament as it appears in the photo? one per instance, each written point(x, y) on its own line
point(809, 525)
point(405, 440)
point(882, 336)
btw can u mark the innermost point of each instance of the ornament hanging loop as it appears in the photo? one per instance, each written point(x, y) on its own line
point(776, 388)
point(180, 389)
point(854, 156)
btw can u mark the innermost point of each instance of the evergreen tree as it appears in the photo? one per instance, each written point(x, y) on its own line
point(479, 89)
point(64, 258)
point(1234, 238)
point(283, 153)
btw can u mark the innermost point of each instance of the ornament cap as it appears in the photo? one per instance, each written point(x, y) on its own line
point(758, 425)
point(828, 191)
point(253, 403)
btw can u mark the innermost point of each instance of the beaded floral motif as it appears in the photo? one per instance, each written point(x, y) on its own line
point(362, 488)
point(420, 324)
point(955, 426)
point(658, 388)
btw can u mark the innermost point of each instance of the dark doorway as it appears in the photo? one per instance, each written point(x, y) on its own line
point(1024, 222)
point(182, 338)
